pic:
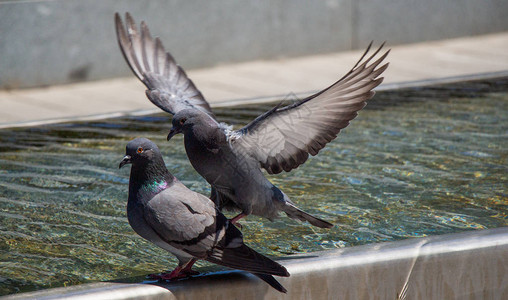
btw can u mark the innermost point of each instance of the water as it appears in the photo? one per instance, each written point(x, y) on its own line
point(416, 162)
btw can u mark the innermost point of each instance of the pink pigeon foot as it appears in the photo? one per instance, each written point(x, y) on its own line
point(173, 275)
point(187, 270)
point(235, 220)
point(178, 273)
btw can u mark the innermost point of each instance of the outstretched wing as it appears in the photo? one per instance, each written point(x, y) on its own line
point(283, 138)
point(168, 86)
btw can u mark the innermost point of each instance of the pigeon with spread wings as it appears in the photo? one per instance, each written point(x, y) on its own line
point(278, 140)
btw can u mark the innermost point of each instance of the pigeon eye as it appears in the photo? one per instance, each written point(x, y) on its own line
point(182, 121)
point(140, 150)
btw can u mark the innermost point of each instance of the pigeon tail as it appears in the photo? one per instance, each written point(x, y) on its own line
point(232, 252)
point(246, 259)
point(272, 282)
point(295, 213)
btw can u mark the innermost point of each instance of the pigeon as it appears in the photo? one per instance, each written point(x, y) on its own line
point(165, 212)
point(279, 140)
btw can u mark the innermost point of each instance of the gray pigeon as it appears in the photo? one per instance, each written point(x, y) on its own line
point(165, 212)
point(280, 139)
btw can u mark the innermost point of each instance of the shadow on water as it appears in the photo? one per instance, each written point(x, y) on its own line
point(416, 162)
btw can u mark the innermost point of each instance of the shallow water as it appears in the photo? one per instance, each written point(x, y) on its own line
point(415, 162)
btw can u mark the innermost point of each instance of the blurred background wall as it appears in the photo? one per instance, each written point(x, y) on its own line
point(61, 41)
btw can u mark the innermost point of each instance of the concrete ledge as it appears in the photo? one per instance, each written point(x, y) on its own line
point(250, 82)
point(469, 265)
point(247, 101)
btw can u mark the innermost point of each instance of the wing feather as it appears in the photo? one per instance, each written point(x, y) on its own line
point(169, 88)
point(282, 138)
point(185, 220)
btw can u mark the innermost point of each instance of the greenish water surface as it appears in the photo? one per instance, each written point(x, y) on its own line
point(416, 162)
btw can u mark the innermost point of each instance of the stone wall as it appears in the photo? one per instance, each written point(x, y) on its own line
point(60, 41)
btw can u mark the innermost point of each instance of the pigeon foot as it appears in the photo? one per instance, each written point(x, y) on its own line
point(191, 273)
point(178, 273)
point(187, 269)
point(235, 220)
point(173, 275)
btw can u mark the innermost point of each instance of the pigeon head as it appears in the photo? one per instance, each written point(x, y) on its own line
point(141, 151)
point(186, 119)
point(149, 174)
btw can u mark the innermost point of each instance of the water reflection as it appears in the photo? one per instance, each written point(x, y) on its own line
point(416, 162)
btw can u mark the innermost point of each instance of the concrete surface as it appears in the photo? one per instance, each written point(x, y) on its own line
point(47, 42)
point(469, 265)
point(255, 81)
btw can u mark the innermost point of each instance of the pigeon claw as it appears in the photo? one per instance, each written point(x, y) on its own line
point(190, 272)
point(178, 273)
point(173, 275)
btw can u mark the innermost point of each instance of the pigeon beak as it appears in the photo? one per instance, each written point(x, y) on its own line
point(125, 160)
point(172, 132)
